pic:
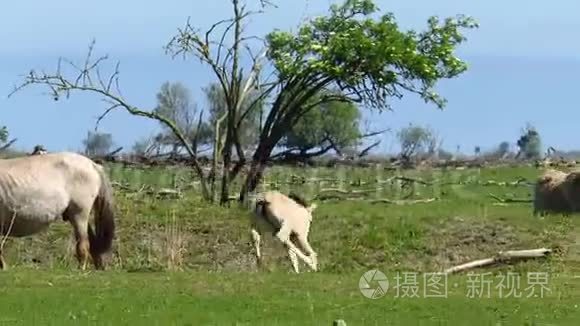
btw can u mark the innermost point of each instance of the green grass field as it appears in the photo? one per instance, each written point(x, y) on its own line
point(182, 262)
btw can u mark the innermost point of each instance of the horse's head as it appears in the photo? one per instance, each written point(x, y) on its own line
point(38, 150)
point(310, 207)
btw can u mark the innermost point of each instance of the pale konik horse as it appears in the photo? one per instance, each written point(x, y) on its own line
point(288, 218)
point(38, 190)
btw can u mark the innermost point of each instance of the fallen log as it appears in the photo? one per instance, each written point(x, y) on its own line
point(501, 257)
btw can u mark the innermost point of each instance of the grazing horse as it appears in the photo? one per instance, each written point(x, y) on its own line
point(38, 190)
point(288, 218)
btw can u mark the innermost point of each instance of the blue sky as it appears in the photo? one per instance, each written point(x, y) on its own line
point(524, 66)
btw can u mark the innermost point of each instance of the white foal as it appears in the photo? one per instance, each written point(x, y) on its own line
point(288, 218)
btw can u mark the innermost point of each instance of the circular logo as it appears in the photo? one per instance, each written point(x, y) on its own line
point(373, 284)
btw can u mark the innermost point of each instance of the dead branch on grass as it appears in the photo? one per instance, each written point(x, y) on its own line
point(510, 200)
point(330, 194)
point(166, 193)
point(346, 192)
point(501, 257)
point(410, 180)
point(401, 202)
point(518, 182)
point(127, 188)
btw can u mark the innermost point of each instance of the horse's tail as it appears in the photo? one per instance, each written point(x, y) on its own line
point(101, 240)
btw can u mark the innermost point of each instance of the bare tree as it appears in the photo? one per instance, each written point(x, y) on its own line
point(144, 146)
point(529, 143)
point(88, 77)
point(250, 126)
point(97, 144)
point(174, 102)
point(235, 85)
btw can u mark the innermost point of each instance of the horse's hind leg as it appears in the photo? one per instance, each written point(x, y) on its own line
point(82, 245)
point(80, 224)
point(97, 258)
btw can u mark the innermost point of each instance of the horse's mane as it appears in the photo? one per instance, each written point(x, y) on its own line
point(297, 198)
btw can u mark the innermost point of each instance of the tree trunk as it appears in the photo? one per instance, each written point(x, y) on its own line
point(225, 186)
point(259, 159)
point(253, 178)
point(212, 183)
point(174, 150)
point(227, 157)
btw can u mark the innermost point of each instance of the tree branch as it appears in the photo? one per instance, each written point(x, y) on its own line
point(60, 85)
point(365, 151)
point(290, 154)
point(8, 144)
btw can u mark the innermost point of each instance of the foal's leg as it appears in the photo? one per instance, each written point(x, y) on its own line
point(294, 260)
point(303, 243)
point(256, 242)
point(284, 236)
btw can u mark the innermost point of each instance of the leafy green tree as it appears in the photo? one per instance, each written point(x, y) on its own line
point(4, 142)
point(530, 143)
point(333, 125)
point(500, 152)
point(415, 140)
point(369, 60)
point(3, 134)
point(503, 148)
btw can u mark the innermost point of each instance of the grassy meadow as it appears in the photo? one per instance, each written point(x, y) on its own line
point(179, 261)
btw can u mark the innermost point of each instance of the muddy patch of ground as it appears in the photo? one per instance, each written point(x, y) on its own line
point(461, 240)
